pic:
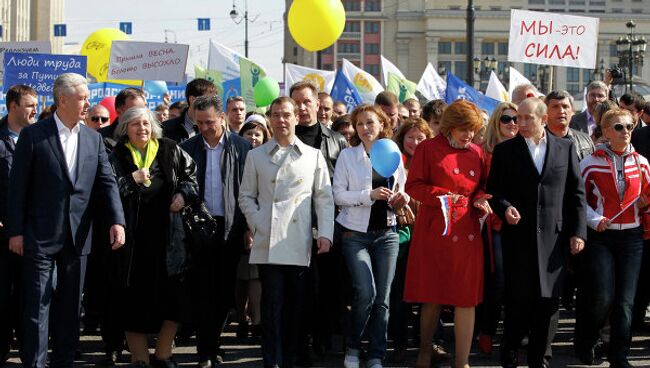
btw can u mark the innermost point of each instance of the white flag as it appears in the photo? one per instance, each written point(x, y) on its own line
point(367, 86)
point(496, 90)
point(516, 79)
point(224, 61)
point(322, 79)
point(388, 67)
point(431, 84)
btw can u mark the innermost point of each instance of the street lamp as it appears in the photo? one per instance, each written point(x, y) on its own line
point(484, 67)
point(631, 51)
point(237, 18)
point(599, 73)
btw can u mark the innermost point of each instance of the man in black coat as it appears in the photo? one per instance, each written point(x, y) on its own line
point(184, 127)
point(597, 92)
point(539, 194)
point(21, 106)
point(220, 156)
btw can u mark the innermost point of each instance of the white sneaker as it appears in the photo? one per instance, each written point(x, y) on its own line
point(351, 361)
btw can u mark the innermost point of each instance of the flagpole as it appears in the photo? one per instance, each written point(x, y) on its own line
point(471, 17)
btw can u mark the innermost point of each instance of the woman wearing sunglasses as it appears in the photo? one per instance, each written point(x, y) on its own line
point(616, 188)
point(501, 127)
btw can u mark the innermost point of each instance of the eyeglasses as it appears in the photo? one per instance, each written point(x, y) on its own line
point(507, 119)
point(619, 127)
point(96, 119)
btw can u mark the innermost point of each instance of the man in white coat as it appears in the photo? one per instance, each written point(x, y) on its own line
point(282, 180)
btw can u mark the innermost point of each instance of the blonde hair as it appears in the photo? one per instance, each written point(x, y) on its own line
point(493, 135)
point(607, 120)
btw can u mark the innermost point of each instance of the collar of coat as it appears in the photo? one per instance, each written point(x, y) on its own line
point(272, 146)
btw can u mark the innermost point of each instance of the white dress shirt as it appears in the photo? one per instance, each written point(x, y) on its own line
point(69, 141)
point(537, 152)
point(213, 195)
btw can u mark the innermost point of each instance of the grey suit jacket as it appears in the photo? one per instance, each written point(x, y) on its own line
point(580, 122)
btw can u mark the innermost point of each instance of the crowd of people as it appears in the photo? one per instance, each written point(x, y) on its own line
point(178, 221)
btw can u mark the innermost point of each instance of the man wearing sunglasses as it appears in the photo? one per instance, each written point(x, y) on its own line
point(98, 117)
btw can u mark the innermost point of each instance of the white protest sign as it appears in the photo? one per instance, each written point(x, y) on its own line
point(552, 39)
point(148, 61)
point(25, 47)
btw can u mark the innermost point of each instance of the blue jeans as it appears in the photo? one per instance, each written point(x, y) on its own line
point(608, 274)
point(371, 259)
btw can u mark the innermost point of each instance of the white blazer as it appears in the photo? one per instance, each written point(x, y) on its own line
point(352, 187)
point(276, 196)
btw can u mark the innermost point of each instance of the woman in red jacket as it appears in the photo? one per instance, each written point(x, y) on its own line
point(616, 189)
point(445, 265)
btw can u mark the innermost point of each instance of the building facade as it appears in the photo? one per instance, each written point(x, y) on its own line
point(25, 20)
point(412, 33)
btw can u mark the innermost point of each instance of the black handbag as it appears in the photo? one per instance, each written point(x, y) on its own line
point(201, 229)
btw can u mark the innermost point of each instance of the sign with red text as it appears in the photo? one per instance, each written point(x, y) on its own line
point(553, 39)
point(148, 61)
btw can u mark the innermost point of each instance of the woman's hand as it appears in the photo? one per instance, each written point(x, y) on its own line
point(381, 194)
point(603, 225)
point(140, 176)
point(483, 204)
point(177, 203)
point(398, 200)
point(643, 200)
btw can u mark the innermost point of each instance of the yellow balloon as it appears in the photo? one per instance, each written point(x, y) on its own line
point(102, 71)
point(316, 24)
point(97, 48)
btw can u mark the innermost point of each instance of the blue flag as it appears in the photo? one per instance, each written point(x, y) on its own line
point(457, 89)
point(343, 90)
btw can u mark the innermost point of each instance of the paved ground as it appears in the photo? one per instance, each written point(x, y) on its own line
point(247, 354)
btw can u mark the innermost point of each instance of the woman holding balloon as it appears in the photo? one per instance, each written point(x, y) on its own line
point(368, 182)
point(445, 265)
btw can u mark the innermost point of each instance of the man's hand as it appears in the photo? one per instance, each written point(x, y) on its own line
point(603, 225)
point(512, 216)
point(117, 237)
point(16, 244)
point(577, 245)
point(177, 203)
point(323, 245)
point(248, 240)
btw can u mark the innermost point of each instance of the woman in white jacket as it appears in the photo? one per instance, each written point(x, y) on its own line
point(370, 244)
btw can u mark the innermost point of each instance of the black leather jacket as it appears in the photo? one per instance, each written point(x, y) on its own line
point(582, 142)
point(178, 168)
point(7, 148)
point(332, 143)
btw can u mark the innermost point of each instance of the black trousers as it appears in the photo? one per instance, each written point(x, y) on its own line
point(283, 294)
point(10, 298)
point(534, 317)
point(38, 289)
point(214, 274)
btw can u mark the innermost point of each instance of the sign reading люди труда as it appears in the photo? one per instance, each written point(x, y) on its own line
point(39, 71)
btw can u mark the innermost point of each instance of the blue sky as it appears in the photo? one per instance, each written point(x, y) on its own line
point(151, 18)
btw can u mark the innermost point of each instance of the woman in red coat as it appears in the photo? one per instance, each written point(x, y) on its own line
point(445, 265)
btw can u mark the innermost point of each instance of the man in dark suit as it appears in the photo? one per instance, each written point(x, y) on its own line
point(21, 106)
point(538, 192)
point(59, 163)
point(183, 127)
point(597, 92)
point(220, 156)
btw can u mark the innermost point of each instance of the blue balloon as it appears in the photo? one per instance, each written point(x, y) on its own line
point(155, 87)
point(385, 157)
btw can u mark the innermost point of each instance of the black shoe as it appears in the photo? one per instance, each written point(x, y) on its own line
point(256, 331)
point(586, 354)
point(509, 358)
point(620, 364)
point(204, 364)
point(242, 330)
point(163, 363)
